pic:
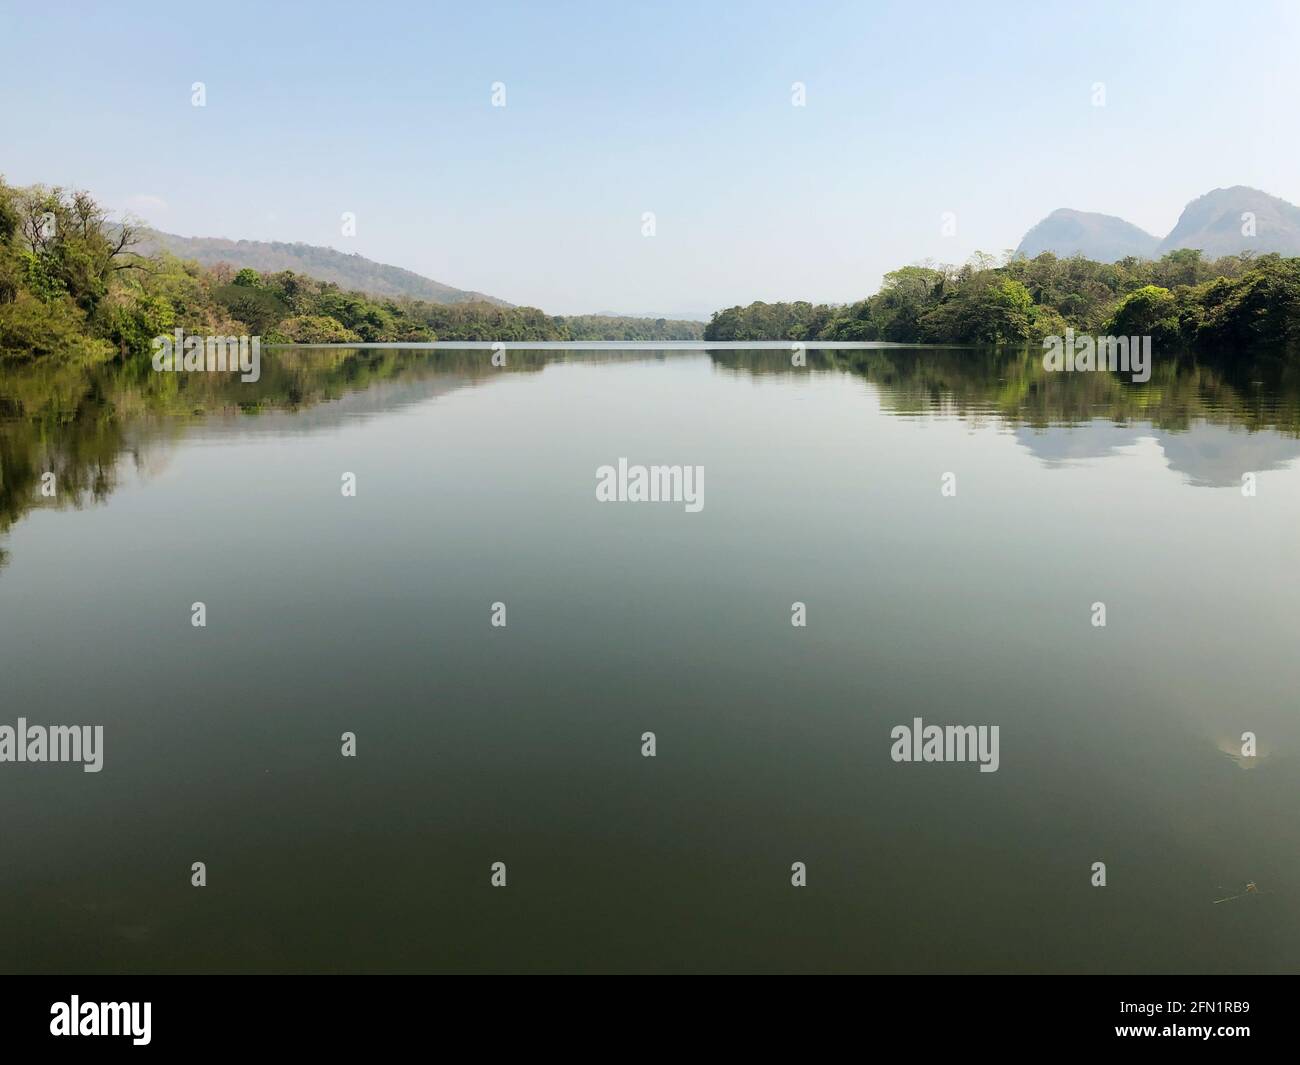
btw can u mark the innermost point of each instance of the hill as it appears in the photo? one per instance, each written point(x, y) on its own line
point(1101, 237)
point(1214, 223)
point(1222, 222)
point(349, 271)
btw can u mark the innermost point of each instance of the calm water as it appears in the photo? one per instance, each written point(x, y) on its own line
point(522, 744)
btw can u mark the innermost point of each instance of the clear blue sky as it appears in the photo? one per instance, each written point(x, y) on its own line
point(683, 109)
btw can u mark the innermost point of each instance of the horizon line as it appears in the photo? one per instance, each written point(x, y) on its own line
point(631, 345)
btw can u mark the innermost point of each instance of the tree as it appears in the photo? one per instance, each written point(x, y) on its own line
point(1149, 311)
point(70, 239)
point(905, 297)
point(316, 329)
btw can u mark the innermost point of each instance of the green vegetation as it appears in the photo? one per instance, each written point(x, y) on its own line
point(1180, 298)
point(349, 271)
point(73, 285)
point(63, 279)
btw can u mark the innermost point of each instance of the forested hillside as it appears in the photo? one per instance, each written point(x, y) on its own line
point(354, 272)
point(76, 285)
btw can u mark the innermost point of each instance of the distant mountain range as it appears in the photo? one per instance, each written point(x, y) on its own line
point(354, 272)
point(1218, 223)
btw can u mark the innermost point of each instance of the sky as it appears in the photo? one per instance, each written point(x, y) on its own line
point(684, 110)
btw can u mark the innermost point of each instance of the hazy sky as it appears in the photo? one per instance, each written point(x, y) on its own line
point(682, 109)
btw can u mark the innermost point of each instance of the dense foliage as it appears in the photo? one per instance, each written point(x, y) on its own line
point(1181, 297)
point(73, 284)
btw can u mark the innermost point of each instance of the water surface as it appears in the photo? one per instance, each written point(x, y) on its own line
point(522, 744)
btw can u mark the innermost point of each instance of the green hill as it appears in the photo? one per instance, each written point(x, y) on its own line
point(351, 272)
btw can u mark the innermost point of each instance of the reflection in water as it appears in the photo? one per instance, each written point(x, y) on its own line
point(1212, 419)
point(370, 615)
point(80, 423)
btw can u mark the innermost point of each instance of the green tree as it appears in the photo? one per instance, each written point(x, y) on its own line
point(1149, 311)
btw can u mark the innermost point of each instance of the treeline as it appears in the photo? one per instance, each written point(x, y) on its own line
point(1180, 298)
point(73, 284)
point(289, 308)
point(612, 327)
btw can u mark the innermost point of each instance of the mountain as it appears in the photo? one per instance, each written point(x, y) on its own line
point(1097, 236)
point(352, 272)
point(1214, 223)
